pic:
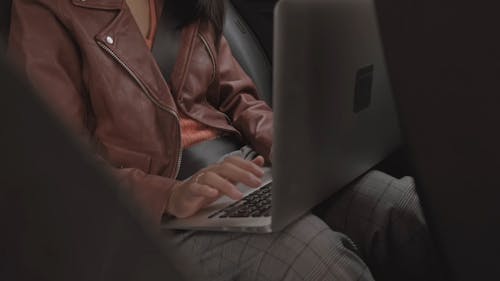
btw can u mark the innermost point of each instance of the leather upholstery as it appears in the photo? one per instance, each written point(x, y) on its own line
point(259, 15)
point(249, 52)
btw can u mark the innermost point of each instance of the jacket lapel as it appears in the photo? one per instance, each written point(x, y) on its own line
point(123, 41)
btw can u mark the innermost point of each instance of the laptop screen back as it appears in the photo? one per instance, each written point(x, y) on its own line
point(334, 112)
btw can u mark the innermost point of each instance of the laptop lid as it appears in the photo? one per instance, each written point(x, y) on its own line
point(333, 108)
point(444, 62)
point(63, 218)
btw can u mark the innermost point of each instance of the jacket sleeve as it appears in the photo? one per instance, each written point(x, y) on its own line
point(240, 101)
point(54, 67)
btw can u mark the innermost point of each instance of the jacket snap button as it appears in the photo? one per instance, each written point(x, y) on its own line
point(109, 39)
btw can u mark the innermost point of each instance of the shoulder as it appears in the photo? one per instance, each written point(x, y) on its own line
point(47, 4)
point(35, 9)
point(67, 8)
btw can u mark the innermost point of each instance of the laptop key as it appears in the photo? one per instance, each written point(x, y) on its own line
point(256, 204)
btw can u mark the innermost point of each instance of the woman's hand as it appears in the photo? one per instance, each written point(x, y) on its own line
point(215, 181)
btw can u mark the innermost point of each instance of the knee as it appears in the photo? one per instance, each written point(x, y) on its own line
point(403, 210)
point(407, 206)
point(393, 199)
point(322, 252)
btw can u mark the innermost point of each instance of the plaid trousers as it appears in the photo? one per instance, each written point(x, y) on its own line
point(372, 228)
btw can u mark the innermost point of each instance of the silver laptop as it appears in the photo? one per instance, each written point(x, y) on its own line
point(334, 115)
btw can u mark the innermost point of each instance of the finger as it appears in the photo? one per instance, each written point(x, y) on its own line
point(259, 161)
point(235, 174)
point(246, 165)
point(202, 190)
point(219, 183)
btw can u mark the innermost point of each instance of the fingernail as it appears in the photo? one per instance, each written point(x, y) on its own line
point(238, 195)
point(256, 181)
point(259, 169)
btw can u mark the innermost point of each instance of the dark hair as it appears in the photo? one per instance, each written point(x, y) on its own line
point(191, 10)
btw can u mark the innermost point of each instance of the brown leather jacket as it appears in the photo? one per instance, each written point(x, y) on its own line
point(90, 60)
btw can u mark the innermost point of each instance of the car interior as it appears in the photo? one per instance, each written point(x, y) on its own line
point(249, 31)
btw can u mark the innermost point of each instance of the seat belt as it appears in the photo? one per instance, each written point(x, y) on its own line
point(166, 42)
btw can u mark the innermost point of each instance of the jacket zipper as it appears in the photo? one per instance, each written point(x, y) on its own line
point(212, 57)
point(151, 98)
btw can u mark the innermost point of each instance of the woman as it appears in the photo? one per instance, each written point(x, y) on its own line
point(92, 59)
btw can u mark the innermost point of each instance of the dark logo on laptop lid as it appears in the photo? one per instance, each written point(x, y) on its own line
point(363, 88)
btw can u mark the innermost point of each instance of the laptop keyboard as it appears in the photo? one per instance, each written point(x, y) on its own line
point(254, 205)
